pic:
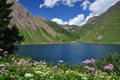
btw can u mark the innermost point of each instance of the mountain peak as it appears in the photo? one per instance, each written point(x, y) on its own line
point(23, 18)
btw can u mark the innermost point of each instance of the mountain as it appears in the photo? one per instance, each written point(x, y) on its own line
point(103, 29)
point(36, 29)
point(70, 27)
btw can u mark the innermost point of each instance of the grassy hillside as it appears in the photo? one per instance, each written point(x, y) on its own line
point(36, 36)
point(66, 36)
point(103, 29)
point(40, 35)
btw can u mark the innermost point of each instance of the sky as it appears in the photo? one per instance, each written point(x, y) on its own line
point(72, 12)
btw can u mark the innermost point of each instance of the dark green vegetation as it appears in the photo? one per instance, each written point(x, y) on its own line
point(15, 67)
point(102, 29)
point(9, 35)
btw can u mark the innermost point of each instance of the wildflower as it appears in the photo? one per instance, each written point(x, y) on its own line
point(2, 65)
point(89, 61)
point(15, 63)
point(22, 62)
point(28, 75)
point(1, 71)
point(38, 72)
point(89, 68)
point(102, 76)
point(28, 64)
point(109, 67)
point(5, 52)
point(0, 57)
point(39, 63)
point(7, 65)
point(92, 69)
point(86, 67)
point(92, 60)
point(1, 49)
point(55, 68)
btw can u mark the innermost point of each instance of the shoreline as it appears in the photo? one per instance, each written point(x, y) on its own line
point(89, 43)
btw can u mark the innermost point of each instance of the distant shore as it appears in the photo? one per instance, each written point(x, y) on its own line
point(95, 43)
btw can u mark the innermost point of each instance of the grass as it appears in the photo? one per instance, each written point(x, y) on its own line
point(38, 35)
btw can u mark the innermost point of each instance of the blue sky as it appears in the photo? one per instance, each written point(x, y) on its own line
point(72, 12)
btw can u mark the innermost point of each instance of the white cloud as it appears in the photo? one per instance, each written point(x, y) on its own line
point(52, 3)
point(85, 4)
point(69, 3)
point(49, 3)
point(74, 21)
point(100, 6)
point(86, 19)
point(17, 0)
point(59, 21)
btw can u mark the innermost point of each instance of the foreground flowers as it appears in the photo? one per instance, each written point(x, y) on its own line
point(3, 53)
point(19, 68)
point(89, 61)
point(29, 75)
point(109, 67)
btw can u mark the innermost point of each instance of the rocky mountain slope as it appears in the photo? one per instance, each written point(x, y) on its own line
point(104, 28)
point(34, 28)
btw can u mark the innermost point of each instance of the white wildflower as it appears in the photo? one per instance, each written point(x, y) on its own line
point(2, 65)
point(29, 75)
point(38, 72)
point(102, 76)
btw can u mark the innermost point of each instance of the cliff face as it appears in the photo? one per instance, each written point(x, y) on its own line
point(23, 18)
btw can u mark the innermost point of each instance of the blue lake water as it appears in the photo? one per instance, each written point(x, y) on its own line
point(71, 53)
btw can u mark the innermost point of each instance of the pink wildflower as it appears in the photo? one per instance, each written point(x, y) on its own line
point(55, 68)
point(1, 50)
point(89, 68)
point(1, 71)
point(5, 52)
point(87, 61)
point(39, 63)
point(109, 67)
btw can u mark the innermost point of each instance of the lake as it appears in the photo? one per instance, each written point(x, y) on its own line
point(71, 53)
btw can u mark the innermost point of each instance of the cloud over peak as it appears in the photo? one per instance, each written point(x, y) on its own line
point(59, 21)
point(74, 21)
